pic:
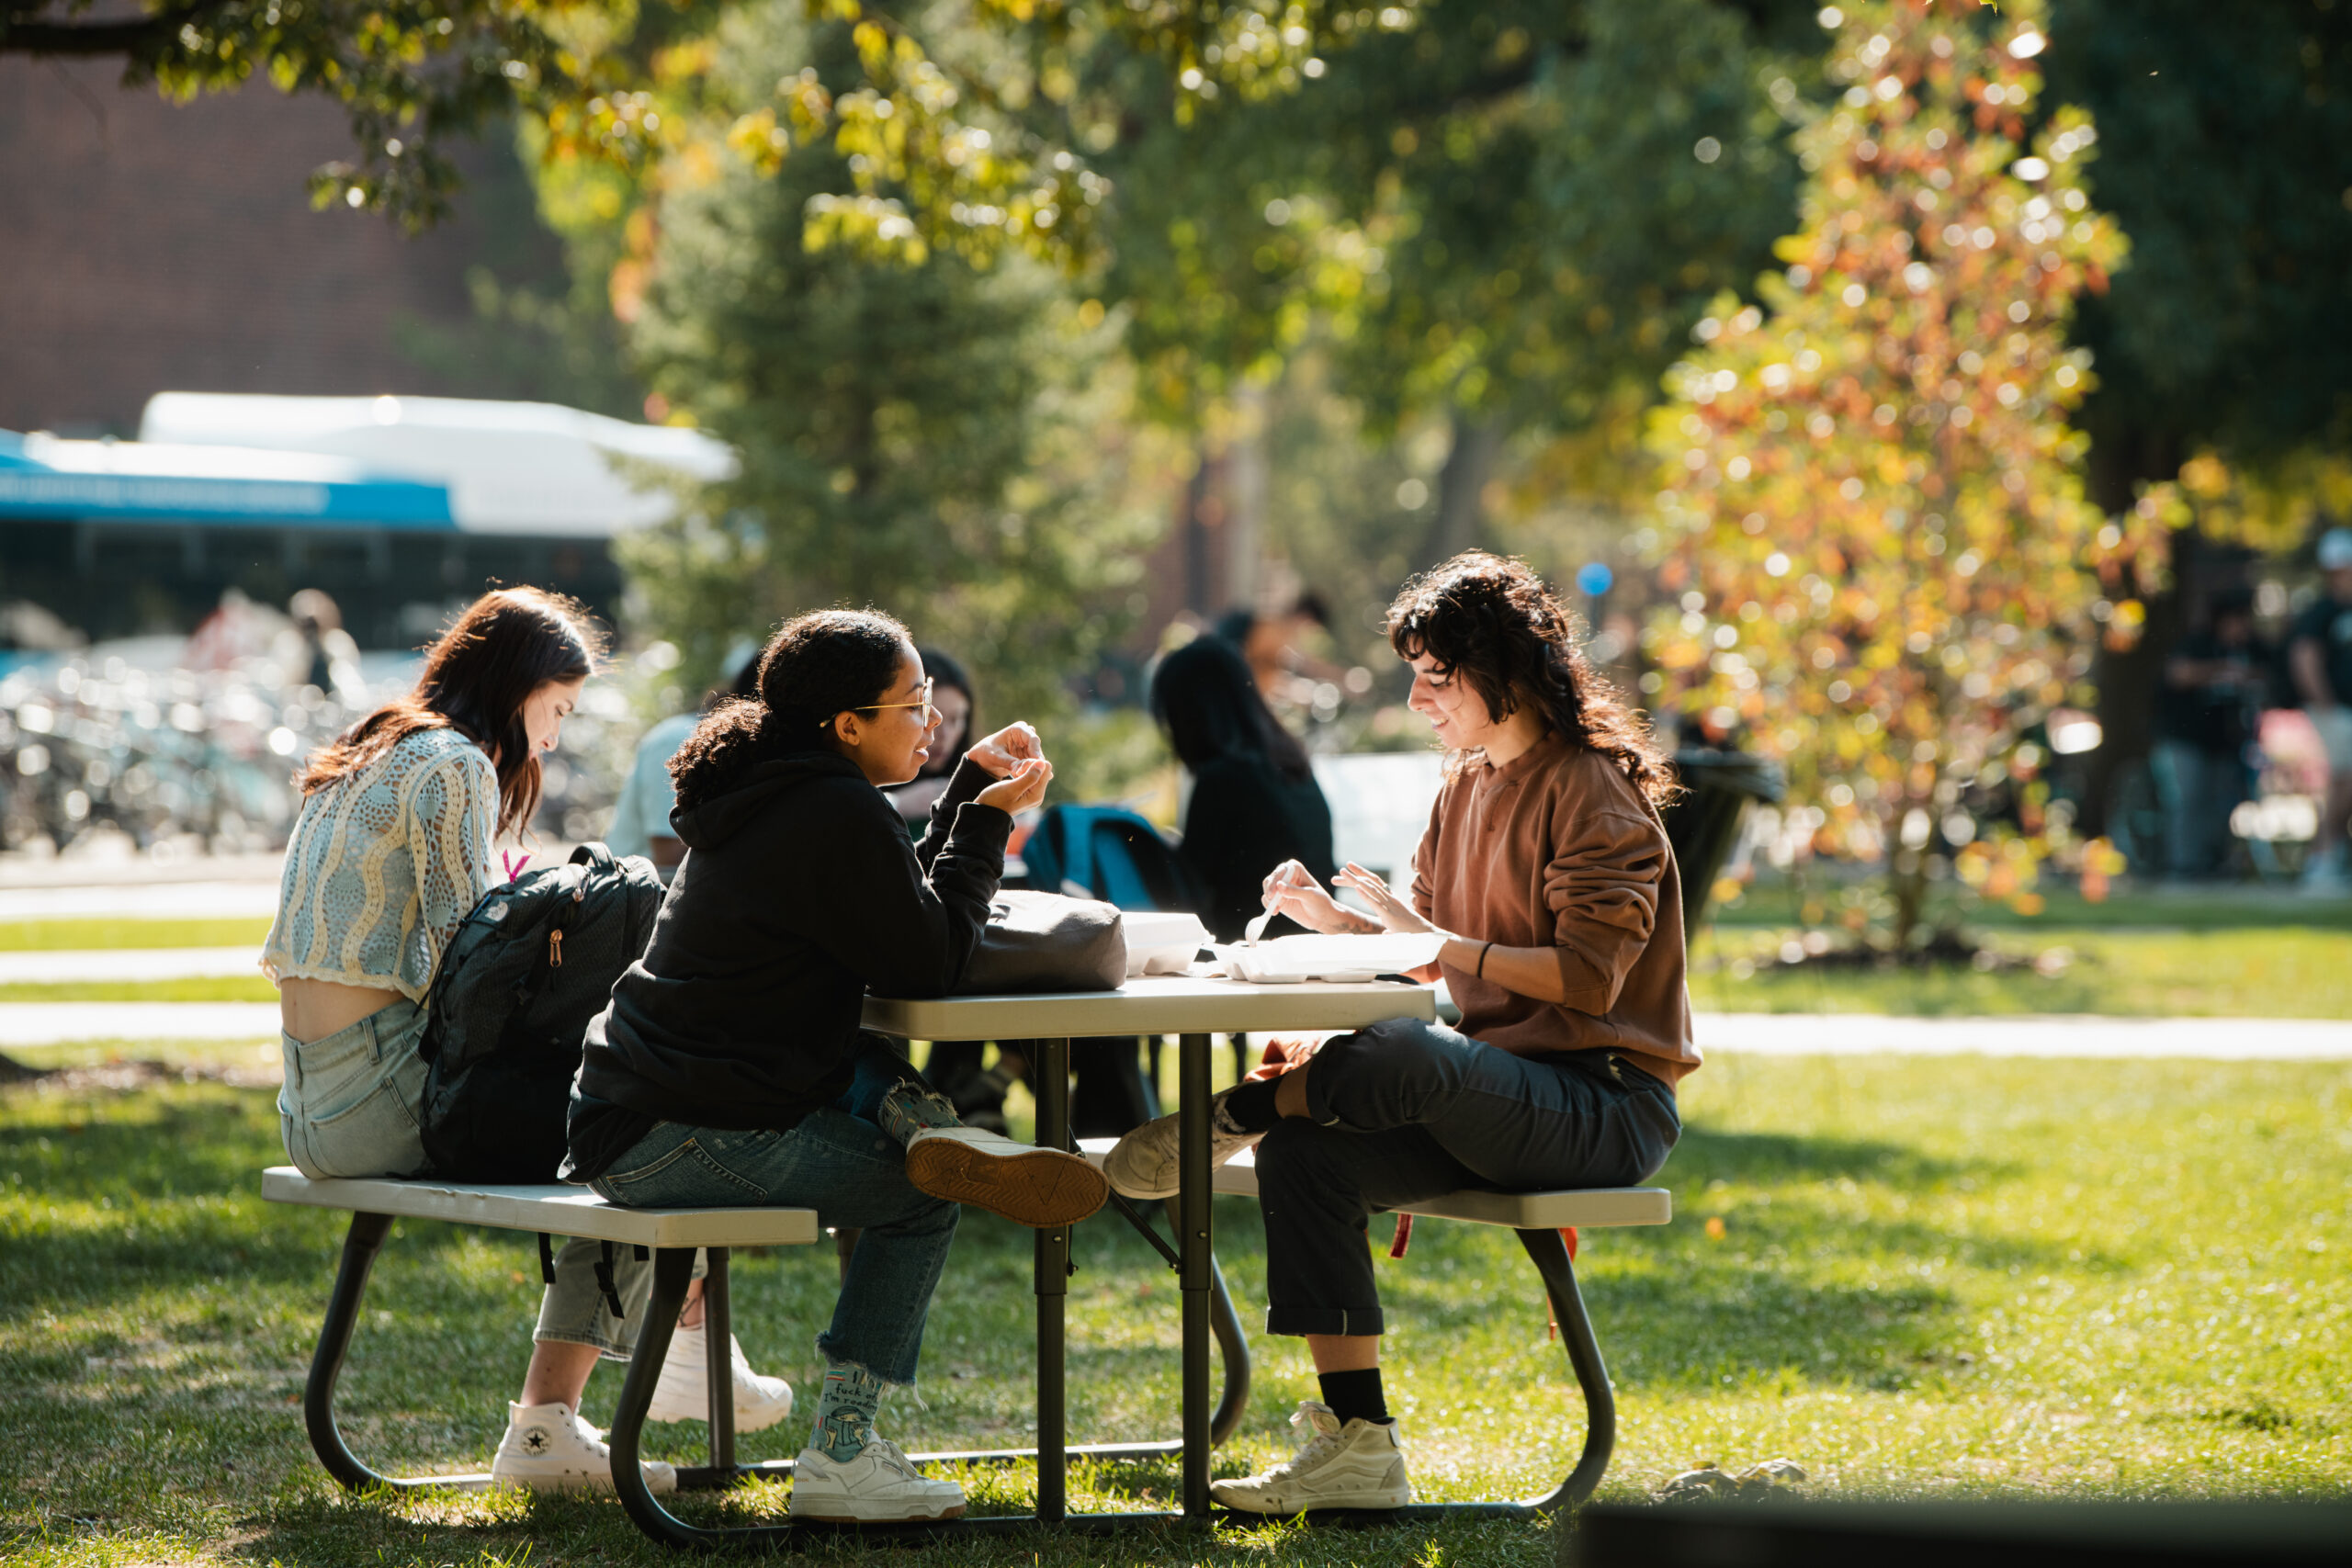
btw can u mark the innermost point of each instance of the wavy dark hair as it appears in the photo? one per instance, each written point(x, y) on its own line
point(508, 644)
point(1493, 621)
point(1205, 697)
point(817, 666)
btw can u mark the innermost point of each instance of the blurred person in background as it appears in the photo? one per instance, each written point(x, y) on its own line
point(391, 853)
point(959, 710)
point(1270, 643)
point(2206, 713)
point(1253, 801)
point(325, 655)
point(2319, 661)
point(642, 815)
point(956, 1066)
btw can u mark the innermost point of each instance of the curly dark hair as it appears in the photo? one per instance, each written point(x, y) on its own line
point(817, 666)
point(1494, 623)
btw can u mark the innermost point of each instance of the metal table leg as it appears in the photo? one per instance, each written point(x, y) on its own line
point(718, 1340)
point(1051, 1081)
point(1196, 1273)
point(360, 1247)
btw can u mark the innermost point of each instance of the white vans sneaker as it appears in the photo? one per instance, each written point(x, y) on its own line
point(879, 1485)
point(683, 1393)
point(548, 1448)
point(1360, 1465)
point(1028, 1185)
point(1143, 1164)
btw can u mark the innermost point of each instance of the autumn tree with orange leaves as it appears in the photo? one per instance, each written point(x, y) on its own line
point(1874, 504)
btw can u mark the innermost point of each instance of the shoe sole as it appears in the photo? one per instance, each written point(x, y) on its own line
point(909, 1517)
point(1366, 1500)
point(743, 1422)
point(1038, 1188)
point(600, 1483)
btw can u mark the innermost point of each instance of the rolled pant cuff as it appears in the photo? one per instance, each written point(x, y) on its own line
point(1352, 1321)
point(830, 1349)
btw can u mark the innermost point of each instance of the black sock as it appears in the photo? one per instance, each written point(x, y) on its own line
point(1250, 1106)
point(1353, 1395)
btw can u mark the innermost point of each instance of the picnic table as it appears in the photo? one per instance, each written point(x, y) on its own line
point(1194, 1009)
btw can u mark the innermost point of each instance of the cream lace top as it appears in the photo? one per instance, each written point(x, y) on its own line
point(385, 864)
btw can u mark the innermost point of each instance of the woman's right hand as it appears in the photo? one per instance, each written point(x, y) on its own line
point(1292, 890)
point(1021, 788)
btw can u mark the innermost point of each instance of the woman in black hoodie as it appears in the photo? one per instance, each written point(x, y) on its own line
point(730, 1067)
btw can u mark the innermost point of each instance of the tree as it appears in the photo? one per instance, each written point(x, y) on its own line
point(1873, 499)
point(932, 438)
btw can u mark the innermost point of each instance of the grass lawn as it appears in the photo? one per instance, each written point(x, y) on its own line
point(2231, 972)
point(105, 931)
point(252, 988)
point(1918, 1276)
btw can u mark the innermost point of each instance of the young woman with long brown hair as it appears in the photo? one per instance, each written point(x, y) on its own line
point(1547, 870)
point(392, 849)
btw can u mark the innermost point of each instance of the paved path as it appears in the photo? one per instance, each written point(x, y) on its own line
point(134, 963)
point(1779, 1035)
point(156, 901)
point(55, 1024)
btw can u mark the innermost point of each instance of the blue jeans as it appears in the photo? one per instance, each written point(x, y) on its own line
point(839, 1162)
point(1407, 1111)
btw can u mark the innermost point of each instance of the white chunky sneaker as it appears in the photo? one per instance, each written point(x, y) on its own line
point(1360, 1465)
point(548, 1448)
point(880, 1484)
point(683, 1393)
point(1143, 1164)
point(1028, 1185)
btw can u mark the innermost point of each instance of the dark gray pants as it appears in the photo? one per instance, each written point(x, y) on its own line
point(1406, 1111)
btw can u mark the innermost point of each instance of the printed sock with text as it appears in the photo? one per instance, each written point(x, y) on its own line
point(845, 1411)
point(910, 1108)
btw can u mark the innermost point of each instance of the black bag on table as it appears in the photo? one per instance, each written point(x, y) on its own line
point(510, 1006)
point(1045, 941)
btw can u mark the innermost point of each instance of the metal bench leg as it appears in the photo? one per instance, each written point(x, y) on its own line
point(359, 1249)
point(1550, 1254)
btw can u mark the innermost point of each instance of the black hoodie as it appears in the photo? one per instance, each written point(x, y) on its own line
point(799, 893)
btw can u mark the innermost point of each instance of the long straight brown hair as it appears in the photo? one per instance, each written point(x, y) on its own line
point(508, 644)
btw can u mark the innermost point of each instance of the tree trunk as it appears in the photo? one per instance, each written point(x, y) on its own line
point(1460, 488)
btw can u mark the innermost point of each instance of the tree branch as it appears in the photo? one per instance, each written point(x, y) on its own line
point(93, 39)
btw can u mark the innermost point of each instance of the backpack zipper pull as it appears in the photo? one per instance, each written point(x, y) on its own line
point(555, 948)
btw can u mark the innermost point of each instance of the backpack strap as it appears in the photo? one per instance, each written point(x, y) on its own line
point(605, 1280)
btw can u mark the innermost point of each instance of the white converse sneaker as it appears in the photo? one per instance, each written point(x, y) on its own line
point(1360, 1465)
point(683, 1393)
point(1028, 1185)
point(548, 1448)
point(880, 1483)
point(1143, 1164)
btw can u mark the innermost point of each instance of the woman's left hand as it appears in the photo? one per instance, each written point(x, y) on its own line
point(1001, 753)
point(1393, 912)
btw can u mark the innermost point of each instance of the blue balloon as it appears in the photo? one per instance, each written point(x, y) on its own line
point(1594, 578)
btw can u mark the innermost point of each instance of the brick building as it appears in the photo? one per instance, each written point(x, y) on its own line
point(147, 246)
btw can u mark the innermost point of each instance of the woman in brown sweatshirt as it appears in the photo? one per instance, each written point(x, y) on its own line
point(1547, 870)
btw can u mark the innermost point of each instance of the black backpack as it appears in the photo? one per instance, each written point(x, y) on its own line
point(511, 1004)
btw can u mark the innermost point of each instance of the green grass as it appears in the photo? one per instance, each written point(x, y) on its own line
point(1916, 1277)
point(1779, 902)
point(252, 988)
point(2231, 972)
point(74, 935)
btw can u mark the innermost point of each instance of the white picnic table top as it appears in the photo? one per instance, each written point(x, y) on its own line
point(1154, 1004)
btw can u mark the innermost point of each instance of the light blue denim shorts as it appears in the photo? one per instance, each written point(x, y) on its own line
point(352, 1102)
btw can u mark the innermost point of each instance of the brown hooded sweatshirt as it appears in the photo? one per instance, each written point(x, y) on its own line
point(1558, 849)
